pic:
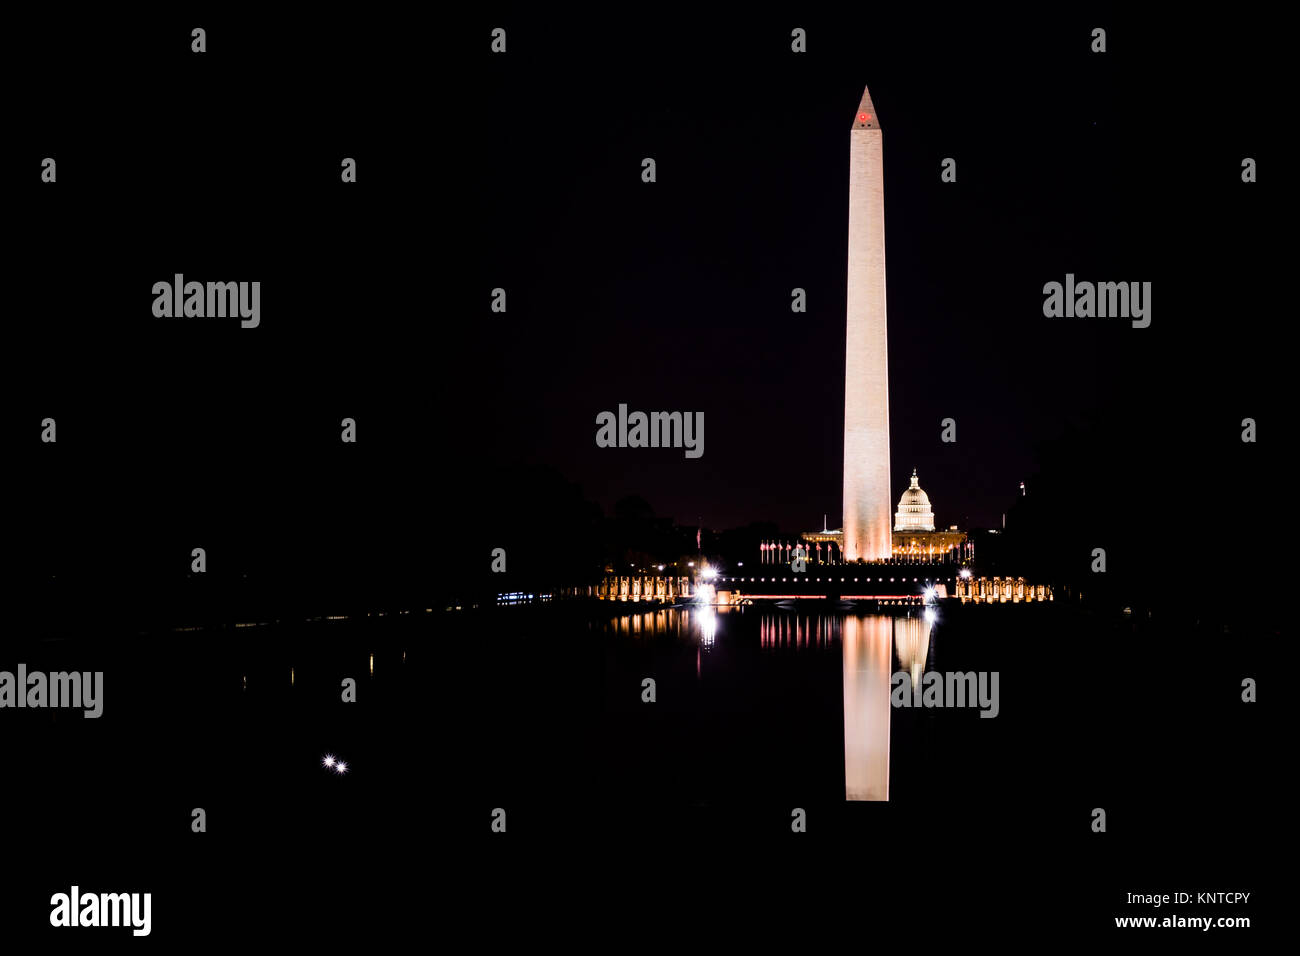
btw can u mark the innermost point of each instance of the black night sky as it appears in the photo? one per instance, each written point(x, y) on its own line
point(523, 172)
point(675, 295)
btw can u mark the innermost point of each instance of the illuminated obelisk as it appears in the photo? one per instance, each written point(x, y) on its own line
point(867, 500)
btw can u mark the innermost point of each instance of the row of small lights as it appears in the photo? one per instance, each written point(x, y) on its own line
point(964, 573)
point(855, 580)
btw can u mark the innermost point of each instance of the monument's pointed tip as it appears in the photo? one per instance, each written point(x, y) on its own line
point(866, 117)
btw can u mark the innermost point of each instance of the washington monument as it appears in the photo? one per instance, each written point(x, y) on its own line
point(867, 501)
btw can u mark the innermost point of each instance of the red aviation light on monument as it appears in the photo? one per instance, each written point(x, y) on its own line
point(866, 116)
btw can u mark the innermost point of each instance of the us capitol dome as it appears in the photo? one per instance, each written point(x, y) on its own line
point(914, 511)
point(914, 535)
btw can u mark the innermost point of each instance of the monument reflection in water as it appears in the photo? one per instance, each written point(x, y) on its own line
point(868, 644)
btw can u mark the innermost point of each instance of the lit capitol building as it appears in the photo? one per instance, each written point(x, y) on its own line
point(914, 532)
point(914, 512)
point(913, 536)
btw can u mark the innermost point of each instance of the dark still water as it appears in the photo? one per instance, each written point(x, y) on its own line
point(540, 711)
